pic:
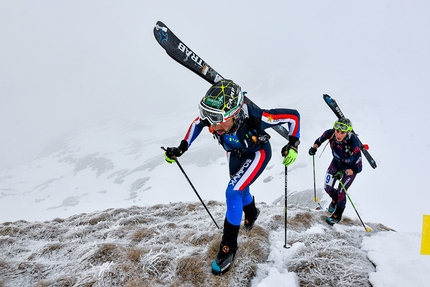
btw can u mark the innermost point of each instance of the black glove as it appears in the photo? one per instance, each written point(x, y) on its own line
point(173, 152)
point(293, 142)
point(339, 174)
point(312, 151)
point(290, 151)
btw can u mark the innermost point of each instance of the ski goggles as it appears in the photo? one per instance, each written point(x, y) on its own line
point(215, 116)
point(342, 127)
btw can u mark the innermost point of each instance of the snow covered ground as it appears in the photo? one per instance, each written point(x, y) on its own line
point(75, 204)
point(174, 245)
point(395, 256)
point(93, 90)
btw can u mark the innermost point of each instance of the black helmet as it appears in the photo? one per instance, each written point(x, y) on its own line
point(222, 101)
point(343, 124)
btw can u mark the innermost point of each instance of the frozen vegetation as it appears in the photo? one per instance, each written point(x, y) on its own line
point(174, 245)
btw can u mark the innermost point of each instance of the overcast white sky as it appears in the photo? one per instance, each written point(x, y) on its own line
point(65, 65)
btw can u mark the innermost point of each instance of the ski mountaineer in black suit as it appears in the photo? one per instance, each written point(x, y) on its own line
point(344, 167)
point(239, 126)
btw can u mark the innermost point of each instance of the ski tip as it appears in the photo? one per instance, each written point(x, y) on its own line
point(327, 98)
point(160, 26)
point(161, 33)
point(368, 229)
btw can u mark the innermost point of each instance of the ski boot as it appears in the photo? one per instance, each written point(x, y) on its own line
point(332, 207)
point(251, 215)
point(336, 216)
point(330, 220)
point(227, 249)
point(224, 260)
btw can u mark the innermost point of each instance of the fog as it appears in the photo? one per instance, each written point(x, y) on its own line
point(65, 65)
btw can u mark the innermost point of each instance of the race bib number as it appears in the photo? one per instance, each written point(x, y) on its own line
point(329, 179)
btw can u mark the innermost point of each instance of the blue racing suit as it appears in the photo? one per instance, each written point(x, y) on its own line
point(248, 151)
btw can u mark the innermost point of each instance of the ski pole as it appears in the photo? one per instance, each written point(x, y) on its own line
point(192, 186)
point(315, 187)
point(367, 228)
point(285, 209)
point(324, 148)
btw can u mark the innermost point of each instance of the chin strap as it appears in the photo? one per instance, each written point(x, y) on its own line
point(237, 122)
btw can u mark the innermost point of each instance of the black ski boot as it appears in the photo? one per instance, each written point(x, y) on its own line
point(336, 216)
point(251, 215)
point(227, 249)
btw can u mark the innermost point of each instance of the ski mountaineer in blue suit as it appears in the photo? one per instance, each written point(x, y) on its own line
point(345, 165)
point(239, 126)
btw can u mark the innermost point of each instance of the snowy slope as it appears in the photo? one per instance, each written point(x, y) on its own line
point(174, 245)
point(120, 163)
point(62, 74)
point(107, 175)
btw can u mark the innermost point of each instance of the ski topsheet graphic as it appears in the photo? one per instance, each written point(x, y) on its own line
point(181, 53)
point(336, 110)
point(176, 49)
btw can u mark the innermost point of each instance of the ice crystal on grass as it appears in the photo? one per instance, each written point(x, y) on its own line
point(174, 245)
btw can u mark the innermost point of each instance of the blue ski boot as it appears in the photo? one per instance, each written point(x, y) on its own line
point(332, 207)
point(331, 220)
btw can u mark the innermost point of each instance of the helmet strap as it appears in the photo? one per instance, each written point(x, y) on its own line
point(235, 127)
point(237, 122)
